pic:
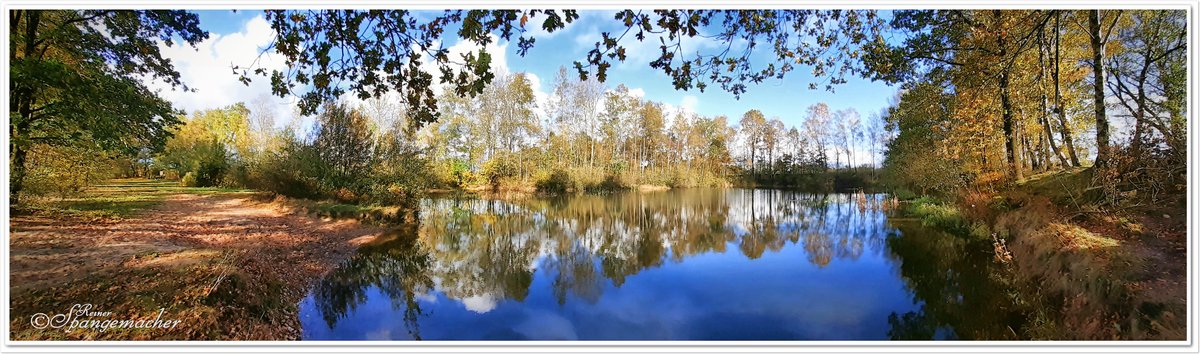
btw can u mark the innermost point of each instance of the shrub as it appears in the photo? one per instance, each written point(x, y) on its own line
point(934, 213)
point(65, 171)
point(557, 181)
point(611, 182)
point(188, 180)
point(497, 169)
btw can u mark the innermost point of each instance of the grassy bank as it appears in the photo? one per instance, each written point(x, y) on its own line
point(115, 199)
point(1081, 269)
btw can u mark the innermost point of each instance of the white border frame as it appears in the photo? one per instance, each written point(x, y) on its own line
point(1188, 345)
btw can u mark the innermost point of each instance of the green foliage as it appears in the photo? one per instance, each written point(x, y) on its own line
point(77, 79)
point(189, 180)
point(63, 171)
point(400, 176)
point(208, 146)
point(293, 171)
point(935, 213)
point(344, 144)
point(909, 164)
point(497, 169)
point(344, 160)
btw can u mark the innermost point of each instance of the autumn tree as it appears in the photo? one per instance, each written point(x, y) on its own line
point(208, 145)
point(985, 44)
point(650, 135)
point(817, 130)
point(753, 128)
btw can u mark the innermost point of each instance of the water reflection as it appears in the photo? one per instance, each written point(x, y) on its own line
point(961, 293)
point(686, 264)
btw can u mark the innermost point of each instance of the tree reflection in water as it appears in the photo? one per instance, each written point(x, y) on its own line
point(958, 285)
point(483, 252)
point(393, 263)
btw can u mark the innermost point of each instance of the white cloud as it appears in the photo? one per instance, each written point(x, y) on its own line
point(689, 103)
point(208, 69)
point(480, 303)
point(540, 97)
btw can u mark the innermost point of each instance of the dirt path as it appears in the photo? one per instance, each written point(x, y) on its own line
point(225, 255)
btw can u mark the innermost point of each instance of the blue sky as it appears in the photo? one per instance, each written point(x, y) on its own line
point(236, 38)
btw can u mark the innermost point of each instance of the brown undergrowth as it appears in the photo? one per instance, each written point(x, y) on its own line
point(228, 266)
point(1095, 272)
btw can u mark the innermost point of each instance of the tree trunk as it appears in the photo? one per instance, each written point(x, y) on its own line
point(1060, 112)
point(752, 149)
point(1045, 112)
point(1006, 107)
point(23, 99)
point(1139, 116)
point(1050, 140)
point(1098, 89)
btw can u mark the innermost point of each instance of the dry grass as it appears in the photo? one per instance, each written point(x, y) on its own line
point(1095, 273)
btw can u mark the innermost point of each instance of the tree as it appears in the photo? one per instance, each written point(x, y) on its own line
point(517, 124)
point(1060, 109)
point(816, 129)
point(1138, 79)
point(574, 106)
point(874, 134)
point(76, 76)
point(922, 156)
point(652, 121)
point(848, 125)
point(344, 144)
point(794, 146)
point(505, 115)
point(650, 137)
point(620, 111)
point(753, 127)
point(1099, 38)
point(773, 133)
point(208, 145)
point(963, 44)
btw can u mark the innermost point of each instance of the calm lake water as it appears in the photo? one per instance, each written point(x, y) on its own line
point(691, 264)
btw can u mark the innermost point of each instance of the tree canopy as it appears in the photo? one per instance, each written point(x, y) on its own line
point(76, 78)
point(367, 53)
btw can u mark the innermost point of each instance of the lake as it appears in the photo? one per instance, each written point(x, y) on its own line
point(688, 264)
